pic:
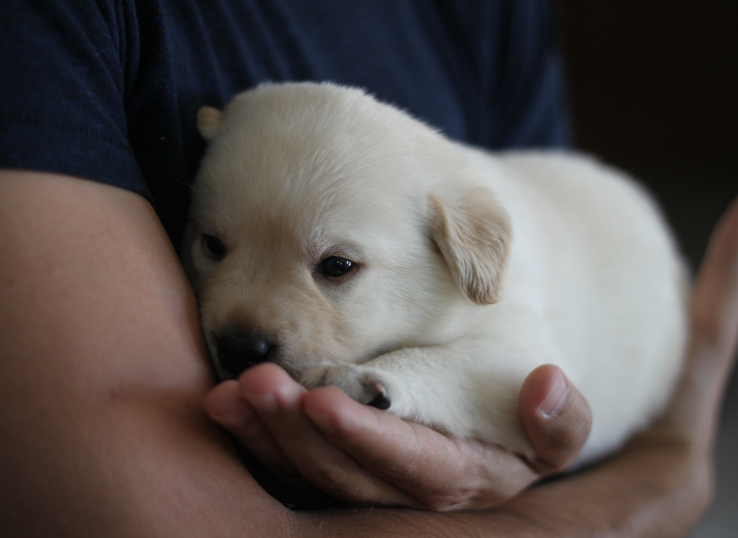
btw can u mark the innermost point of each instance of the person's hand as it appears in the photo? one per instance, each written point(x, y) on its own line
point(362, 455)
point(662, 482)
point(693, 414)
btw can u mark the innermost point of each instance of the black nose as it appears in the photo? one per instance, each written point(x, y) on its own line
point(238, 350)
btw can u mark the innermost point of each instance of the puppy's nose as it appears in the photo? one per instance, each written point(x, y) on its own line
point(238, 350)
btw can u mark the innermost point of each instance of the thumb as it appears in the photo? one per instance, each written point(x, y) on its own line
point(555, 417)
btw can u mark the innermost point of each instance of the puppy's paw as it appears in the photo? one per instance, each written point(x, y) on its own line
point(365, 385)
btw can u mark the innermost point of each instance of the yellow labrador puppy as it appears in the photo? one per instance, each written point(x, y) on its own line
point(354, 246)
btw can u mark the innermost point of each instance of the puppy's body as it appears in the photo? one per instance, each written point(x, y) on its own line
point(469, 269)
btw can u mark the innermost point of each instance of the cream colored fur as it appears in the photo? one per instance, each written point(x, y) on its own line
point(473, 267)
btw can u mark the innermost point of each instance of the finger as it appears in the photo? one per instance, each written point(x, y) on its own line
point(555, 416)
point(715, 297)
point(277, 399)
point(714, 334)
point(440, 472)
point(227, 407)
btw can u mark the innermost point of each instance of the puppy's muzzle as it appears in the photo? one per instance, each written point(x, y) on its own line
point(240, 350)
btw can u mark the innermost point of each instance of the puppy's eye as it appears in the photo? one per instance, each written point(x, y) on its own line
point(335, 266)
point(214, 246)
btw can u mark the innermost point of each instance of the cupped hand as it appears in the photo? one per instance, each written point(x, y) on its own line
point(662, 482)
point(362, 455)
point(692, 417)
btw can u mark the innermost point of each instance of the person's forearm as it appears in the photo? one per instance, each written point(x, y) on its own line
point(646, 492)
point(649, 492)
point(102, 376)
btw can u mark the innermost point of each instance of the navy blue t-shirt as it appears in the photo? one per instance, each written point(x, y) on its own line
point(109, 90)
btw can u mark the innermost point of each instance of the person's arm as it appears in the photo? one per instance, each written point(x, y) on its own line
point(101, 382)
point(102, 377)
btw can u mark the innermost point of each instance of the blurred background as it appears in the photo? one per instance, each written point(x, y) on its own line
point(653, 88)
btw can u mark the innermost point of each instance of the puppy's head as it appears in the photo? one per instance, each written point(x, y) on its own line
point(326, 226)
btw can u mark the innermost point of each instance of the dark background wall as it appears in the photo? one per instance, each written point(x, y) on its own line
point(654, 90)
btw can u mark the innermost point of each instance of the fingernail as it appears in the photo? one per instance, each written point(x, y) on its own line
point(265, 402)
point(322, 421)
point(556, 398)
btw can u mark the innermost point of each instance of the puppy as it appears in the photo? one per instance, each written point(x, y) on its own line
point(354, 246)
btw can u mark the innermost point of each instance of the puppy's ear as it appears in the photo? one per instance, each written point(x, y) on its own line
point(209, 121)
point(473, 233)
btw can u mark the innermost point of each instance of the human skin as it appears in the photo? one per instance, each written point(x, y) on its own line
point(103, 376)
point(360, 454)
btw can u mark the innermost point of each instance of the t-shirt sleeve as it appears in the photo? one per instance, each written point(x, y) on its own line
point(65, 68)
